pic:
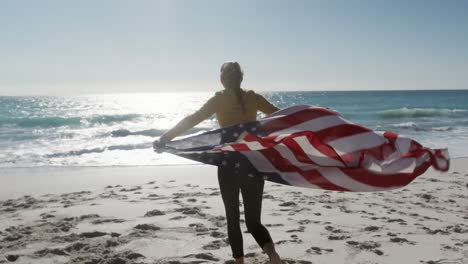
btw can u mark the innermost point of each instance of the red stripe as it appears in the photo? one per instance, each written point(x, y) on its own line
point(380, 152)
point(323, 148)
point(358, 174)
point(240, 147)
point(295, 148)
point(314, 141)
point(295, 119)
point(340, 131)
point(283, 165)
point(391, 136)
point(379, 180)
point(314, 177)
point(319, 140)
point(386, 180)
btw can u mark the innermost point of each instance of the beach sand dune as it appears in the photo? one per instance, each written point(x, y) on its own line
point(160, 215)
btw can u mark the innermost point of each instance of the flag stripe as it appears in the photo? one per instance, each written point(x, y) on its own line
point(295, 119)
point(282, 164)
point(314, 147)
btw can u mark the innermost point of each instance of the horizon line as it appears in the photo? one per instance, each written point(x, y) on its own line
point(260, 91)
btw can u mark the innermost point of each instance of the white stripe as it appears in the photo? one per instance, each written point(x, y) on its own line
point(253, 145)
point(403, 144)
point(289, 155)
point(285, 152)
point(280, 137)
point(443, 162)
point(334, 175)
point(357, 142)
point(406, 165)
point(227, 148)
point(339, 178)
point(262, 164)
point(313, 125)
point(392, 166)
point(259, 161)
point(314, 154)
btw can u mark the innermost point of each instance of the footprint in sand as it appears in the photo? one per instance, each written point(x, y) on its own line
point(287, 204)
point(342, 237)
point(366, 245)
point(147, 227)
point(215, 244)
point(371, 228)
point(12, 258)
point(92, 234)
point(51, 251)
point(199, 227)
point(299, 229)
point(318, 251)
point(107, 221)
point(154, 212)
point(204, 256)
point(401, 240)
point(217, 234)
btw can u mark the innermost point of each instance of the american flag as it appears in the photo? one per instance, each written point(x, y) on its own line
point(314, 147)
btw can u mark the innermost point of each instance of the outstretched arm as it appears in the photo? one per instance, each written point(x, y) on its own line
point(207, 110)
point(264, 106)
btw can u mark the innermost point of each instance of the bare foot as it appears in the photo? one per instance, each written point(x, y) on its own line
point(240, 260)
point(275, 259)
point(269, 248)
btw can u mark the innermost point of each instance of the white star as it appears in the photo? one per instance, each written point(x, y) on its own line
point(254, 128)
point(237, 165)
point(223, 131)
point(235, 134)
point(241, 125)
point(265, 177)
point(250, 175)
point(224, 163)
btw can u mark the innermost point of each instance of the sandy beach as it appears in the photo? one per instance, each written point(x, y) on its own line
point(174, 214)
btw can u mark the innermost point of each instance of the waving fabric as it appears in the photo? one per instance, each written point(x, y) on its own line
point(314, 147)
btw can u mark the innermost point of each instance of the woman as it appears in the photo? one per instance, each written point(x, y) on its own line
point(233, 106)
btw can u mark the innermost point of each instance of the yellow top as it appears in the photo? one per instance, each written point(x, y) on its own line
point(227, 109)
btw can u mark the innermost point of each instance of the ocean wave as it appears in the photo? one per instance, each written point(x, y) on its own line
point(149, 132)
point(416, 127)
point(126, 132)
point(420, 112)
point(66, 121)
point(105, 119)
point(443, 128)
point(100, 150)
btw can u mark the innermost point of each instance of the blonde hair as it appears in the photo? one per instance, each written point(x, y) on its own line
point(232, 71)
point(232, 75)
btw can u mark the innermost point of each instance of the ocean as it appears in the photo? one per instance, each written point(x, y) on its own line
point(118, 129)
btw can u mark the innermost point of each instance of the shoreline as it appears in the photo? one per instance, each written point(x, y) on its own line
point(17, 180)
point(22, 181)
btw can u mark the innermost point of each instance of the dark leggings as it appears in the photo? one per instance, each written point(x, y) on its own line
point(251, 188)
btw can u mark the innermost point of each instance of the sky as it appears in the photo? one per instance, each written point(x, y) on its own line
point(113, 46)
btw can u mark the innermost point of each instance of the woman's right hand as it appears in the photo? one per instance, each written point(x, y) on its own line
point(158, 145)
